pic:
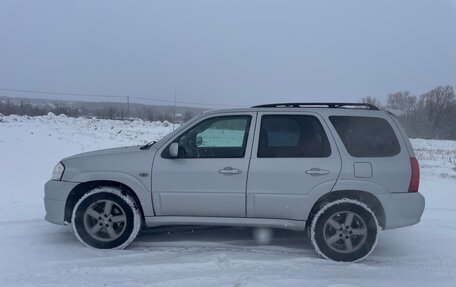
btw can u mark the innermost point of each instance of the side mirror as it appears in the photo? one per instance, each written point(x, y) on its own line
point(174, 150)
point(199, 141)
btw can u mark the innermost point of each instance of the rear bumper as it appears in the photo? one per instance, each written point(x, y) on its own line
point(402, 209)
point(55, 196)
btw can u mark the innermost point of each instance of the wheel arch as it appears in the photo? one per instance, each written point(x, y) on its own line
point(81, 189)
point(363, 196)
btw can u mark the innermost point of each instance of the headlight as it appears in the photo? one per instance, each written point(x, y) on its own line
point(58, 171)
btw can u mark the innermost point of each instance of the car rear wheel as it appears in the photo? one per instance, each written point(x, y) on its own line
point(344, 230)
point(106, 218)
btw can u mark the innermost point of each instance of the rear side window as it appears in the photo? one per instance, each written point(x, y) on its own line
point(292, 136)
point(366, 136)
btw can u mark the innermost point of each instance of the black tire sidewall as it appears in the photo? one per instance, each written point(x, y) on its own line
point(89, 240)
point(367, 246)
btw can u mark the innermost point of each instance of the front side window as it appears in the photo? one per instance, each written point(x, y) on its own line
point(218, 137)
point(292, 136)
point(366, 136)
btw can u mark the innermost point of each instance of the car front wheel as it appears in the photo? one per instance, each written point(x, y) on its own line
point(344, 230)
point(106, 218)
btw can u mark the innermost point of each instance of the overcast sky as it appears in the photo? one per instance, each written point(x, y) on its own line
point(228, 52)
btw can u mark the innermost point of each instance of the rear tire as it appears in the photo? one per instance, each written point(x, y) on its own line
point(106, 218)
point(344, 230)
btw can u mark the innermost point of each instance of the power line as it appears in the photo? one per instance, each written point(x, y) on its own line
point(187, 103)
point(113, 96)
point(59, 93)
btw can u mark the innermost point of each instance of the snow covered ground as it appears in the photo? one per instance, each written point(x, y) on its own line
point(36, 253)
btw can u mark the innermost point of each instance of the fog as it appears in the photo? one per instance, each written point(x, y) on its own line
point(227, 52)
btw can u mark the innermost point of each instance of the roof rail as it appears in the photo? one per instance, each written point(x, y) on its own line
point(319, 105)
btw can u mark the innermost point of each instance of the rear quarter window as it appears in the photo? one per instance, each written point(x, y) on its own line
point(366, 136)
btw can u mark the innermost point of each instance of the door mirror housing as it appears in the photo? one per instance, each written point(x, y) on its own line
point(199, 141)
point(174, 150)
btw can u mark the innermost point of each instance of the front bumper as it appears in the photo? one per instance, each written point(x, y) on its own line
point(55, 196)
point(402, 209)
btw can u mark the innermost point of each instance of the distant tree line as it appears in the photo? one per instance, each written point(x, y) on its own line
point(25, 108)
point(431, 115)
point(114, 111)
point(145, 113)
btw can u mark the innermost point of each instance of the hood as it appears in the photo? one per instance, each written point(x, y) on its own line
point(124, 160)
point(103, 152)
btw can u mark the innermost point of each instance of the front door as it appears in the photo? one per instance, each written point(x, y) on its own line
point(209, 176)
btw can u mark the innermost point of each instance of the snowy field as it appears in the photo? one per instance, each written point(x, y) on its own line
point(36, 253)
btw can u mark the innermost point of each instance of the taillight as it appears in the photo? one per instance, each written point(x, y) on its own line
point(415, 180)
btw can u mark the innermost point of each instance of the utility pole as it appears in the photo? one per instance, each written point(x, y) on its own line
point(128, 107)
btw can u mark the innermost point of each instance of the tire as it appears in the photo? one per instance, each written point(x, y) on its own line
point(344, 230)
point(105, 218)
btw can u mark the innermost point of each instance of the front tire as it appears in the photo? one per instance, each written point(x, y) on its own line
point(106, 218)
point(344, 230)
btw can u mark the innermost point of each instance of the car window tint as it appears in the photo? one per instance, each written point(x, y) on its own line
point(292, 136)
point(366, 136)
point(218, 137)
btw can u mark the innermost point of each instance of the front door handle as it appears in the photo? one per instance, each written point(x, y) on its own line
point(230, 171)
point(317, 171)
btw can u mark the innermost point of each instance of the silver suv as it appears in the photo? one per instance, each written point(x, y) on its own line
point(340, 171)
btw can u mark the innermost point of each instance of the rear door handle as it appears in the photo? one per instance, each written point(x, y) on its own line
point(230, 171)
point(317, 171)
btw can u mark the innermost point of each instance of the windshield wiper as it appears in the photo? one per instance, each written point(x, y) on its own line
point(147, 146)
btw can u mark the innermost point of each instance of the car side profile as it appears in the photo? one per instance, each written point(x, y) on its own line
point(340, 171)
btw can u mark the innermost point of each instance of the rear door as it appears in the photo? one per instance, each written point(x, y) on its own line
point(293, 153)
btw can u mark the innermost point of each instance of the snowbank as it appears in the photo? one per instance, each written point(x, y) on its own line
point(36, 253)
